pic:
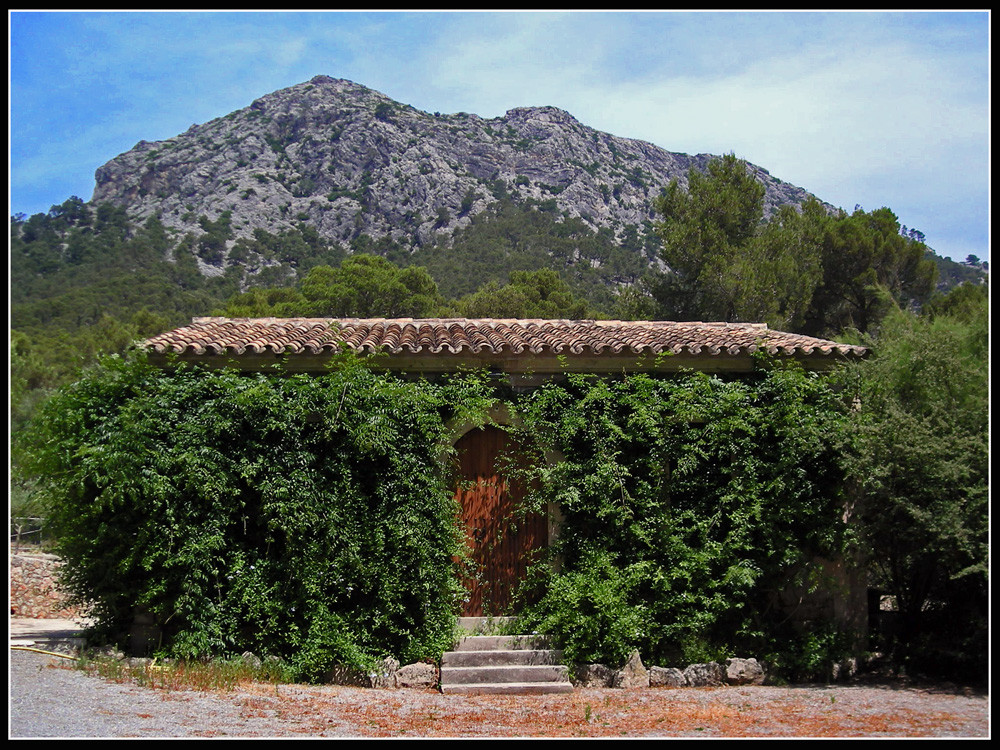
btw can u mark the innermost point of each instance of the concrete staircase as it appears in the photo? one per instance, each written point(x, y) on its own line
point(504, 664)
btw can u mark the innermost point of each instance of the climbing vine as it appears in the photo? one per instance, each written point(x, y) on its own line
point(308, 517)
point(688, 503)
point(312, 517)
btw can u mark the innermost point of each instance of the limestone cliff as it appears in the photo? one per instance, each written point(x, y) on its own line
point(348, 160)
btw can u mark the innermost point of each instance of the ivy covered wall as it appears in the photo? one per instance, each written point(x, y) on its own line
point(690, 504)
point(305, 517)
point(313, 517)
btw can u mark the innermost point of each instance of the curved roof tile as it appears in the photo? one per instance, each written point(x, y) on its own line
point(317, 336)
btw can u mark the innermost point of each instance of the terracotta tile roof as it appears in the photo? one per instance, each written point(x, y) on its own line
point(245, 337)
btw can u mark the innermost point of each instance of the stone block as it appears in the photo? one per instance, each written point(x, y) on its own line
point(666, 677)
point(710, 674)
point(417, 675)
point(593, 676)
point(744, 672)
point(633, 674)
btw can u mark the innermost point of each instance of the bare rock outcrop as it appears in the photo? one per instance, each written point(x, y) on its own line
point(348, 161)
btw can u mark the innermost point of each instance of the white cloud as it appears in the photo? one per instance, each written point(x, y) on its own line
point(888, 126)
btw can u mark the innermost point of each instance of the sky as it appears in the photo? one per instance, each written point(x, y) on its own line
point(866, 109)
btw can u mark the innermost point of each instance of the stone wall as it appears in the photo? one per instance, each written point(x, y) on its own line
point(34, 588)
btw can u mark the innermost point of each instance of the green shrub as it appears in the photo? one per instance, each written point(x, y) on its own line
point(311, 517)
point(808, 655)
point(588, 610)
point(687, 502)
point(306, 517)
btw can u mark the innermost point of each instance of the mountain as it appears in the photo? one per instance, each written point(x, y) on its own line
point(350, 162)
point(241, 210)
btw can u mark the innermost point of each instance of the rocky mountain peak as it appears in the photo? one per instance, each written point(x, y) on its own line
point(348, 160)
point(540, 114)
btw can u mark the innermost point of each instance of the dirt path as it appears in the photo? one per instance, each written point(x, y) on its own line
point(42, 690)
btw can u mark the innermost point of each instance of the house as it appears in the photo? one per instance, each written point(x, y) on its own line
point(523, 354)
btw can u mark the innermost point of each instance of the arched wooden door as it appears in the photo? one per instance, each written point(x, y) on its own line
point(501, 545)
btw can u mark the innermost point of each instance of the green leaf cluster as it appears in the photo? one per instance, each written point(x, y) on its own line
point(687, 504)
point(919, 449)
point(362, 286)
point(806, 269)
point(530, 294)
point(725, 262)
point(305, 517)
point(509, 237)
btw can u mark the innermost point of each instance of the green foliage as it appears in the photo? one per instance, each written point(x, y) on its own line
point(303, 517)
point(804, 270)
point(589, 611)
point(212, 245)
point(868, 267)
point(809, 656)
point(238, 509)
point(372, 286)
point(85, 281)
point(964, 302)
point(725, 263)
point(687, 502)
point(363, 286)
point(920, 453)
point(530, 294)
point(508, 237)
point(952, 274)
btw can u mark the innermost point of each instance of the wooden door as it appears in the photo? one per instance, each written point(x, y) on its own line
point(501, 543)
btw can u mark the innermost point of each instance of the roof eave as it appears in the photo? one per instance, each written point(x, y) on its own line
point(519, 364)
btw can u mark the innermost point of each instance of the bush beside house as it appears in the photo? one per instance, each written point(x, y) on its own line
point(690, 504)
point(303, 517)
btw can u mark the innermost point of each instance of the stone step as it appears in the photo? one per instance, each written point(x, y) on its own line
point(504, 673)
point(500, 657)
point(507, 664)
point(501, 642)
point(483, 625)
point(507, 688)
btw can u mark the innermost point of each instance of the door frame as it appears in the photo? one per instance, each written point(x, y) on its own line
point(501, 416)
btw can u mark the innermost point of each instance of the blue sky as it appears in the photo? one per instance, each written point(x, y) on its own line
point(877, 109)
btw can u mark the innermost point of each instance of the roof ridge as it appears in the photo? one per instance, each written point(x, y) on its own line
point(372, 320)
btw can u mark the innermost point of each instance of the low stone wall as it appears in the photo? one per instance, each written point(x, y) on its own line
point(34, 588)
point(634, 674)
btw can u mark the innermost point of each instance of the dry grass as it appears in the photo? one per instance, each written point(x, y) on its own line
point(804, 711)
point(214, 675)
point(698, 712)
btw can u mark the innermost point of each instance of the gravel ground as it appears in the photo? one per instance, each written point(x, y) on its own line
point(48, 698)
